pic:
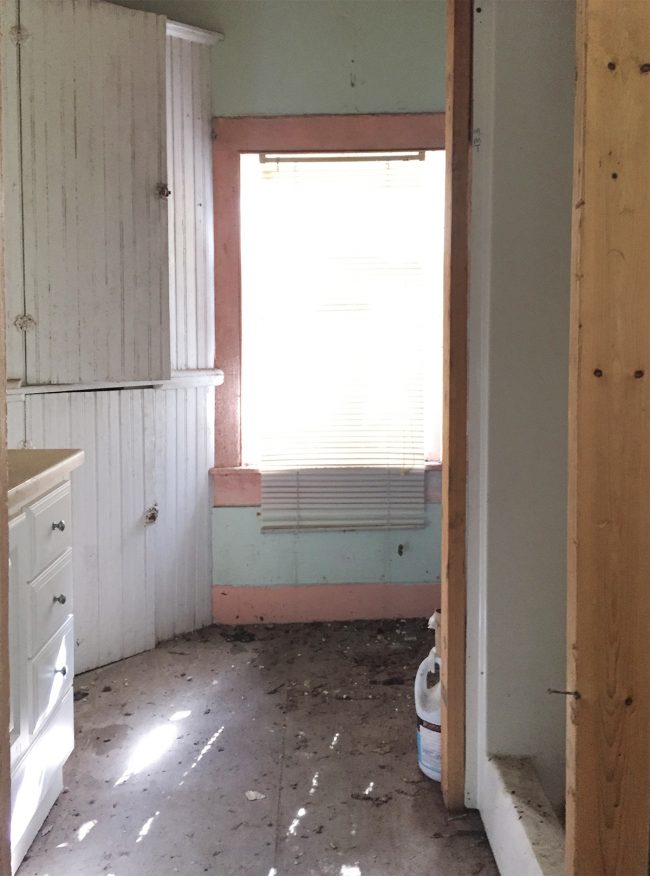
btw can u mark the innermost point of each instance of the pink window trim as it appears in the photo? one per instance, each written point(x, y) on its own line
point(232, 137)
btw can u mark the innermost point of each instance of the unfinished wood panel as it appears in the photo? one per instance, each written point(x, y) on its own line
point(11, 159)
point(5, 685)
point(454, 438)
point(182, 548)
point(92, 97)
point(608, 753)
point(191, 237)
point(114, 588)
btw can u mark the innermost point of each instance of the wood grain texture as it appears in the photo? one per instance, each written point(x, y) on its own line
point(232, 137)
point(92, 129)
point(454, 438)
point(5, 687)
point(191, 236)
point(608, 747)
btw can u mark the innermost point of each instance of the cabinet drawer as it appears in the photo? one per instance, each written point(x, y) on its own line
point(34, 781)
point(50, 602)
point(49, 524)
point(51, 672)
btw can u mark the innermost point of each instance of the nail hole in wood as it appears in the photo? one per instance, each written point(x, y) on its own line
point(598, 372)
point(614, 176)
point(628, 701)
point(611, 66)
point(639, 374)
point(645, 68)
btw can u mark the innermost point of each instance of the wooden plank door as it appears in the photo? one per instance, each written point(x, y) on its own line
point(92, 98)
point(114, 600)
point(608, 716)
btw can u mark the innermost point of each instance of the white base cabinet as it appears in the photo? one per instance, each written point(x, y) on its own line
point(41, 659)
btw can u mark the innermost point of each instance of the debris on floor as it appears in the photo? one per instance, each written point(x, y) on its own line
point(292, 751)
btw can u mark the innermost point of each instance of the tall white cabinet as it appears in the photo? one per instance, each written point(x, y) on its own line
point(110, 301)
point(88, 298)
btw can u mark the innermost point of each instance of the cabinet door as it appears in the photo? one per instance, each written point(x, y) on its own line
point(12, 195)
point(113, 583)
point(92, 123)
point(181, 541)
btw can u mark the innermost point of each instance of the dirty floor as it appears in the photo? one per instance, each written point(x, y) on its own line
point(266, 751)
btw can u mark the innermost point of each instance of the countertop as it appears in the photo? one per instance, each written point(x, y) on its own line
point(34, 472)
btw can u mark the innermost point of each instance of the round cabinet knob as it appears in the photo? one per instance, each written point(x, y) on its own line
point(63, 671)
point(61, 599)
point(60, 525)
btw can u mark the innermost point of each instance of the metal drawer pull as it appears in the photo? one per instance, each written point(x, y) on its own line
point(63, 671)
point(60, 525)
point(60, 599)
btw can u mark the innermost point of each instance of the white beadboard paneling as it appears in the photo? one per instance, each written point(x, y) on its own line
point(15, 422)
point(113, 589)
point(135, 584)
point(189, 156)
point(184, 425)
point(11, 160)
point(93, 153)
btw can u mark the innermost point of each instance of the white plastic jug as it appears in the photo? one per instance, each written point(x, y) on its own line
point(427, 707)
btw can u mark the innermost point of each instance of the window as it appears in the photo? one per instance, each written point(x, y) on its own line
point(331, 341)
point(341, 334)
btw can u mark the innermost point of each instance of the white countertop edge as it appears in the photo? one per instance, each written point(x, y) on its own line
point(45, 471)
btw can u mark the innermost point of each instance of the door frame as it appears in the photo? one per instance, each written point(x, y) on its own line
point(458, 137)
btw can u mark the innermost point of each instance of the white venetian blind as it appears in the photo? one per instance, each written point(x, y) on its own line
point(341, 339)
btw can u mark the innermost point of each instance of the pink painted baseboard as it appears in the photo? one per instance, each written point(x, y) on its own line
point(323, 602)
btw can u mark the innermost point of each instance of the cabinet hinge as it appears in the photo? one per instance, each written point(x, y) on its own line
point(18, 34)
point(24, 322)
point(476, 138)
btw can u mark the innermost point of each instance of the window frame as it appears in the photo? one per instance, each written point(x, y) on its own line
point(234, 483)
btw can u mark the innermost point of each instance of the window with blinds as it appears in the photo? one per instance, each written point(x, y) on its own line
point(342, 335)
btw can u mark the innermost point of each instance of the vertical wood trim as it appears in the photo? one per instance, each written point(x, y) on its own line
point(608, 732)
point(454, 438)
point(5, 688)
point(227, 279)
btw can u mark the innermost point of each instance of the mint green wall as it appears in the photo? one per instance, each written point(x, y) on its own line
point(293, 57)
point(243, 556)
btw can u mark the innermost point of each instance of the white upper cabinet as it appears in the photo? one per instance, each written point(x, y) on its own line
point(106, 145)
point(89, 142)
